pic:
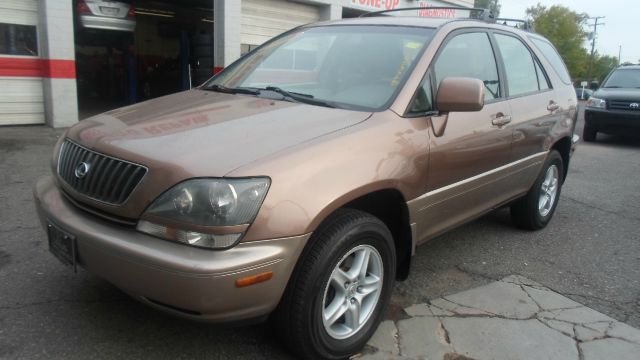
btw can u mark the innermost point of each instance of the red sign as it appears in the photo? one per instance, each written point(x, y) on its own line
point(438, 13)
point(378, 4)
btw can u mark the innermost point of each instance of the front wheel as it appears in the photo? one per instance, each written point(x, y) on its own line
point(589, 133)
point(534, 210)
point(340, 289)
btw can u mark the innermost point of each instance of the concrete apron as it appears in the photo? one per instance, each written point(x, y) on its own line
point(514, 318)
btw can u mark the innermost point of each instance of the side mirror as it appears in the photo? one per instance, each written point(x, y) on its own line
point(460, 94)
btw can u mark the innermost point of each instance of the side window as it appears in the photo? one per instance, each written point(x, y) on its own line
point(554, 58)
point(519, 66)
point(423, 100)
point(470, 55)
point(543, 82)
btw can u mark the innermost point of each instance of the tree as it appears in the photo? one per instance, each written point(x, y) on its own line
point(493, 5)
point(602, 66)
point(564, 28)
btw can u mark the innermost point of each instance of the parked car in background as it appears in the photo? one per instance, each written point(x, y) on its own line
point(583, 93)
point(106, 14)
point(614, 107)
point(297, 183)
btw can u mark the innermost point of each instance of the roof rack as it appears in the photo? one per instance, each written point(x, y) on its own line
point(484, 14)
point(524, 24)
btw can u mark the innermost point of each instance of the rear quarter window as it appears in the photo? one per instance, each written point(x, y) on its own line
point(551, 54)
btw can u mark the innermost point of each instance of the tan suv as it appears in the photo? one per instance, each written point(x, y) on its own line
point(298, 182)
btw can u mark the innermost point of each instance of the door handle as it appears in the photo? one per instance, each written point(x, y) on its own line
point(553, 106)
point(501, 120)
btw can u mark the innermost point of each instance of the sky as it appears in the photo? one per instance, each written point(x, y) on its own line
point(622, 22)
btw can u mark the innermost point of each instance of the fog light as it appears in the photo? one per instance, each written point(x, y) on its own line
point(211, 241)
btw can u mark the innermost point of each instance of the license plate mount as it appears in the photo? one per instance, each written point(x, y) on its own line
point(62, 245)
point(109, 11)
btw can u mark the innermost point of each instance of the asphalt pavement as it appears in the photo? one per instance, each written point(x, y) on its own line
point(590, 253)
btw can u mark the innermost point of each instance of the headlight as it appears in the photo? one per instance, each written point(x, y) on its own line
point(205, 212)
point(596, 103)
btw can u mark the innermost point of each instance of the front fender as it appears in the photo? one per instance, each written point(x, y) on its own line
point(313, 179)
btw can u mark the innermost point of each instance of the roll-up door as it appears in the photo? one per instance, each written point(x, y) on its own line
point(264, 19)
point(21, 95)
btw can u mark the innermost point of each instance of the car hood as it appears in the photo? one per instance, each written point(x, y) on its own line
point(618, 94)
point(203, 133)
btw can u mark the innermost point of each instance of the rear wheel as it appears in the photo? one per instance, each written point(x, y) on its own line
point(341, 286)
point(535, 210)
point(589, 133)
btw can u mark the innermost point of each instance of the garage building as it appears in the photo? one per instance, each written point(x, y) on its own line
point(64, 60)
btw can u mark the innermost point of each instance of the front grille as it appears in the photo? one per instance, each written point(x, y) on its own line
point(107, 179)
point(624, 105)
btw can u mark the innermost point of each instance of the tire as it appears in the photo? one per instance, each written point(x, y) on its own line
point(532, 212)
point(315, 288)
point(589, 133)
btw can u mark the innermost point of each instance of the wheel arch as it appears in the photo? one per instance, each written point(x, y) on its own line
point(563, 146)
point(388, 205)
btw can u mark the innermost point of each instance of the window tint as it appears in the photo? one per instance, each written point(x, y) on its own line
point(470, 55)
point(18, 40)
point(543, 82)
point(518, 64)
point(553, 57)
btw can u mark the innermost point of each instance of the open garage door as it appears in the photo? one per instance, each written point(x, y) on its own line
point(168, 49)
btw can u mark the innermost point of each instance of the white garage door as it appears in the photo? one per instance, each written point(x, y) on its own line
point(264, 19)
point(23, 12)
point(21, 98)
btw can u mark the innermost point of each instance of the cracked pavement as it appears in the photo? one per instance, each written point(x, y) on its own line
point(590, 253)
point(514, 318)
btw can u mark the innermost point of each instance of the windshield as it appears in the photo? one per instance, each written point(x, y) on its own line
point(352, 67)
point(623, 78)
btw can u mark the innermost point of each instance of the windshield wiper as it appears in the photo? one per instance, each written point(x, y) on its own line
point(612, 87)
point(231, 90)
point(299, 97)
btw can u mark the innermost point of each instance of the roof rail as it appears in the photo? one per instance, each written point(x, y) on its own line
point(525, 24)
point(484, 14)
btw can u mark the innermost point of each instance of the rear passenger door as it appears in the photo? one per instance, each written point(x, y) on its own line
point(464, 179)
point(534, 107)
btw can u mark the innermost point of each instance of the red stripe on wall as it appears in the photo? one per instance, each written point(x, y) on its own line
point(48, 68)
point(217, 69)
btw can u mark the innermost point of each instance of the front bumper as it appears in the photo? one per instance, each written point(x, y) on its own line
point(612, 120)
point(186, 281)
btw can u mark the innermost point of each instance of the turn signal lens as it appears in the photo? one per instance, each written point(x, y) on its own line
point(251, 280)
point(211, 241)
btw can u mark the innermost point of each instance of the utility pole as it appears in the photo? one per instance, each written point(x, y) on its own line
point(594, 35)
point(619, 54)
